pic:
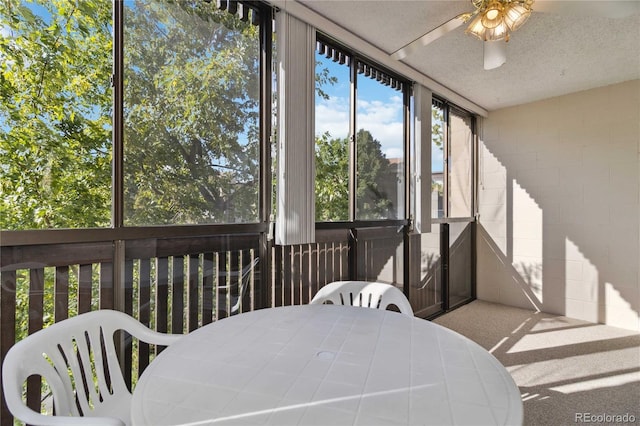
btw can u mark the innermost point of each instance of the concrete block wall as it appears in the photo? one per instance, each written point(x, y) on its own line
point(559, 204)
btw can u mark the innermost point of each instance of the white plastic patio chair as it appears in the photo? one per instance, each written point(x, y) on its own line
point(75, 357)
point(363, 293)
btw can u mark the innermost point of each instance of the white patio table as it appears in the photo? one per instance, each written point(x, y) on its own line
point(325, 365)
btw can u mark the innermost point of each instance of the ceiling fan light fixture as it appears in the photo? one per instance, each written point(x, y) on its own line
point(496, 19)
point(515, 15)
point(493, 15)
point(476, 28)
point(501, 31)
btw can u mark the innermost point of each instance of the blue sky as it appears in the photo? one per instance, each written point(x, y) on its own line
point(379, 111)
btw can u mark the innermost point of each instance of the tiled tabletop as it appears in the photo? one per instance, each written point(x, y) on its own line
point(325, 365)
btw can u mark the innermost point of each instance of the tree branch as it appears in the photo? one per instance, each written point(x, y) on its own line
point(48, 60)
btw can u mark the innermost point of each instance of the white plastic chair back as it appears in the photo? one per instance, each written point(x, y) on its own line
point(362, 293)
point(77, 358)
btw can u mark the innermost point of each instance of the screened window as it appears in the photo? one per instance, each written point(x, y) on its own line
point(358, 102)
point(55, 114)
point(380, 147)
point(437, 159)
point(332, 124)
point(191, 113)
point(452, 161)
point(460, 164)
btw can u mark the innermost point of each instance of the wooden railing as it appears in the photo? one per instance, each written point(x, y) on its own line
point(172, 285)
point(300, 270)
point(176, 284)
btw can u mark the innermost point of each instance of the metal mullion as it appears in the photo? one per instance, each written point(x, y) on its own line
point(474, 208)
point(447, 159)
point(474, 167)
point(353, 168)
point(407, 153)
point(444, 260)
point(265, 208)
point(265, 117)
point(444, 227)
point(406, 261)
point(353, 151)
point(117, 197)
point(117, 208)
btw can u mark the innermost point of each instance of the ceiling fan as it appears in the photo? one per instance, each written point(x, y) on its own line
point(493, 21)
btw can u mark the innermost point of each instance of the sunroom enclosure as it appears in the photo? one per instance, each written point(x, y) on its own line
point(149, 185)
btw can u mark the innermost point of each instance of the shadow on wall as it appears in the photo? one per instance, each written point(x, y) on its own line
point(559, 189)
point(566, 369)
point(522, 285)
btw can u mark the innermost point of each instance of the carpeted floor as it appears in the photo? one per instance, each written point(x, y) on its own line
point(568, 371)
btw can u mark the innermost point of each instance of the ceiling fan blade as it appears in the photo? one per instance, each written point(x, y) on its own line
point(495, 54)
point(429, 37)
point(614, 9)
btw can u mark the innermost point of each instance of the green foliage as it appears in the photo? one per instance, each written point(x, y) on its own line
point(332, 179)
point(55, 130)
point(191, 115)
point(437, 131)
point(376, 181)
point(437, 139)
point(323, 77)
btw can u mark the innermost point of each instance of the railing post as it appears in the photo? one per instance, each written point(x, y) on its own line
point(265, 277)
point(353, 254)
point(474, 258)
point(118, 302)
point(7, 318)
point(444, 257)
point(407, 251)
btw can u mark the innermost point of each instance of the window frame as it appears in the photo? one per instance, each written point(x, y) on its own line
point(396, 81)
point(264, 23)
point(447, 108)
point(117, 230)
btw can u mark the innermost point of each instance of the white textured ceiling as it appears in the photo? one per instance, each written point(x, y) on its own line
point(553, 53)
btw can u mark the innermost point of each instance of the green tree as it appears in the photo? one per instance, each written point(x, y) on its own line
point(323, 77)
point(191, 120)
point(437, 132)
point(191, 114)
point(55, 125)
point(437, 139)
point(332, 179)
point(376, 181)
